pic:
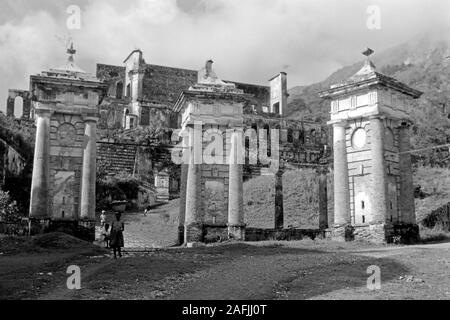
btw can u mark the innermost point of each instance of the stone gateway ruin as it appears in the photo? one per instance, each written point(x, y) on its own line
point(84, 120)
point(65, 105)
point(373, 186)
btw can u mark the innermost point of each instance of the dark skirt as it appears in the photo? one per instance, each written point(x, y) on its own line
point(116, 239)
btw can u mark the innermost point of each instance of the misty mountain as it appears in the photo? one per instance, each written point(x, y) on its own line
point(421, 62)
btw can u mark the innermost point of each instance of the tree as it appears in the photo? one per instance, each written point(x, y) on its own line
point(9, 211)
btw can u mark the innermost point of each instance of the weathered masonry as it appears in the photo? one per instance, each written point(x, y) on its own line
point(65, 105)
point(213, 199)
point(373, 187)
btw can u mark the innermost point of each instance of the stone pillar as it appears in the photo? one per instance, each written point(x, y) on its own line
point(193, 226)
point(87, 200)
point(88, 178)
point(236, 224)
point(378, 192)
point(279, 209)
point(26, 107)
point(10, 107)
point(323, 199)
point(406, 199)
point(39, 201)
point(341, 181)
point(182, 215)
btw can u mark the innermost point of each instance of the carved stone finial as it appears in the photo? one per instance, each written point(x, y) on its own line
point(208, 68)
point(368, 52)
point(71, 50)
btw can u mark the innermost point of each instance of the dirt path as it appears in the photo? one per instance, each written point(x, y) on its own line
point(255, 271)
point(90, 269)
point(341, 275)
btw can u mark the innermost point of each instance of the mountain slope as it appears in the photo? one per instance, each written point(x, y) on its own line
point(421, 63)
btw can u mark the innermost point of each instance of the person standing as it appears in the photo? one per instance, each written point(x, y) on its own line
point(103, 218)
point(116, 236)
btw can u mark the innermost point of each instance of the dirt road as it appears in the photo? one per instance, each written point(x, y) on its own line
point(269, 270)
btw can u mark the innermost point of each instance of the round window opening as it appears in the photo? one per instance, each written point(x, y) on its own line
point(359, 138)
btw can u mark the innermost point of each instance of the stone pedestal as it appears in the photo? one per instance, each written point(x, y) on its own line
point(38, 226)
point(341, 233)
point(193, 233)
point(236, 232)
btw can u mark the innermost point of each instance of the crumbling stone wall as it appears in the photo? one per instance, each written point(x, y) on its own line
point(10, 104)
point(119, 158)
point(11, 161)
point(163, 84)
point(112, 75)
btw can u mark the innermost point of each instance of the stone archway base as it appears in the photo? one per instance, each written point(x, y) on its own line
point(375, 233)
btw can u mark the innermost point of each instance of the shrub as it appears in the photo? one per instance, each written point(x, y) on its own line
point(9, 211)
point(116, 188)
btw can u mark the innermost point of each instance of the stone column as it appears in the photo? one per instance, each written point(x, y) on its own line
point(279, 209)
point(88, 178)
point(39, 184)
point(406, 199)
point(341, 181)
point(193, 227)
point(236, 225)
point(182, 215)
point(10, 107)
point(323, 198)
point(39, 201)
point(378, 192)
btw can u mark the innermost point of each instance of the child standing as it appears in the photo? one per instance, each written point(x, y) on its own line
point(116, 237)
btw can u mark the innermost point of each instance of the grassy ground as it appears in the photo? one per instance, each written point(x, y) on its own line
point(300, 196)
point(268, 270)
point(435, 183)
point(300, 200)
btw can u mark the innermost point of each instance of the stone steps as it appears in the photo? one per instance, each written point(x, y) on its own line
point(120, 158)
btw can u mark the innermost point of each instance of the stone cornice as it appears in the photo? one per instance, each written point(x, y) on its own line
point(376, 79)
point(204, 95)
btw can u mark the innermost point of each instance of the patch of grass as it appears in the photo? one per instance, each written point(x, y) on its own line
point(435, 182)
point(433, 235)
point(12, 245)
point(300, 200)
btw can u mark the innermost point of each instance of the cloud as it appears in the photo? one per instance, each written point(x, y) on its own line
point(250, 40)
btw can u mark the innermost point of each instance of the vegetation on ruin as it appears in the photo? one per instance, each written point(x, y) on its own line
point(9, 212)
point(421, 63)
point(300, 200)
point(115, 188)
point(19, 134)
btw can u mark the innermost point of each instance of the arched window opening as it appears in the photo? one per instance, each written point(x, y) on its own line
point(290, 135)
point(18, 107)
point(129, 90)
point(119, 90)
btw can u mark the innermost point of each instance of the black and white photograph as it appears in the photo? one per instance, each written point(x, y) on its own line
point(219, 157)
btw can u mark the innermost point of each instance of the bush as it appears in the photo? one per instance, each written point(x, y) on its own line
point(9, 211)
point(433, 235)
point(116, 188)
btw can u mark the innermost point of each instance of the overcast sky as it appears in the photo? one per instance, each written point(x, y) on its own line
point(249, 40)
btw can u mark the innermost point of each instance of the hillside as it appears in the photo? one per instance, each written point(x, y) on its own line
point(422, 64)
point(300, 200)
point(300, 197)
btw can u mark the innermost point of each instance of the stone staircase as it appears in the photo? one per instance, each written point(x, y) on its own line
point(118, 157)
